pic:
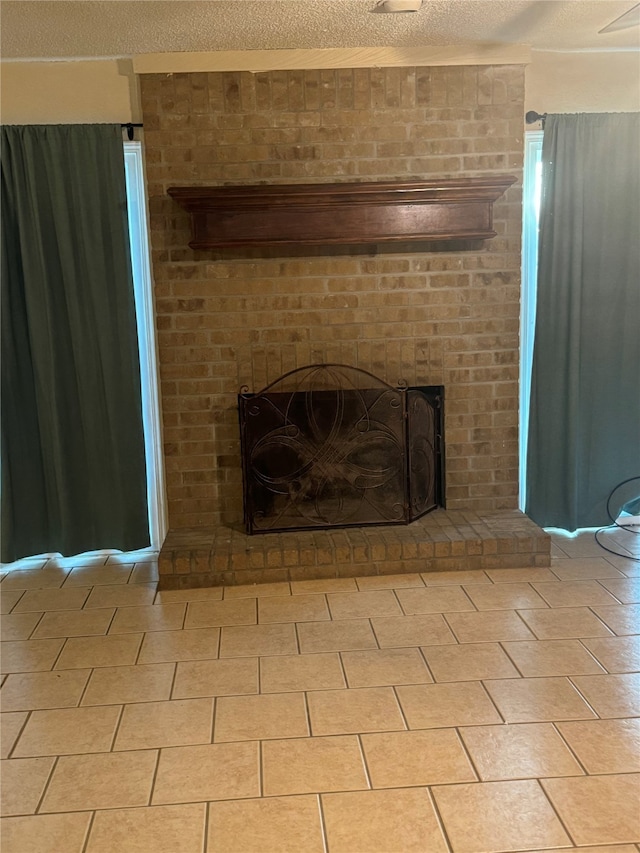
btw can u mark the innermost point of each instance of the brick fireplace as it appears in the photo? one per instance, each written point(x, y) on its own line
point(425, 313)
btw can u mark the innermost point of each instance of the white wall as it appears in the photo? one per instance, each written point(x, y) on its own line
point(583, 82)
point(80, 92)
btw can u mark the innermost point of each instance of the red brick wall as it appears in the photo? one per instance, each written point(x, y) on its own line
point(427, 314)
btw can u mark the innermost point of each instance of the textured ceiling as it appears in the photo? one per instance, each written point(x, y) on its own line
point(88, 28)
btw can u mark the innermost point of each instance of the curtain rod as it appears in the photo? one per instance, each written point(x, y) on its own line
point(129, 125)
point(532, 116)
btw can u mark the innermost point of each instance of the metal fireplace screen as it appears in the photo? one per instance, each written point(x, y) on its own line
point(333, 446)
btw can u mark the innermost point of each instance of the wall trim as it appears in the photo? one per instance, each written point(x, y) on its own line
point(361, 57)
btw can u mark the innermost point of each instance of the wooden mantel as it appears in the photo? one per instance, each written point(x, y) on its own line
point(281, 214)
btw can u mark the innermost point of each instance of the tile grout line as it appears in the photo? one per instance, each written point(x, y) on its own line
point(327, 601)
point(305, 699)
point(469, 599)
point(261, 794)
point(85, 688)
point(22, 728)
point(426, 663)
point(19, 599)
point(450, 627)
point(551, 569)
point(554, 723)
point(214, 714)
point(373, 631)
point(143, 638)
point(172, 686)
point(111, 621)
point(363, 758)
point(525, 623)
point(584, 698)
point(205, 838)
point(599, 582)
point(154, 778)
point(47, 785)
point(52, 668)
point(323, 825)
point(592, 654)
point(296, 634)
point(85, 845)
point(183, 621)
point(399, 704)
point(440, 821)
point(36, 626)
point(555, 811)
point(259, 675)
point(506, 652)
point(592, 611)
point(403, 612)
point(467, 751)
point(398, 602)
point(491, 699)
point(343, 671)
point(116, 730)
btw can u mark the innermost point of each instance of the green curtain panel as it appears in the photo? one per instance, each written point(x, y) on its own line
point(584, 430)
point(73, 465)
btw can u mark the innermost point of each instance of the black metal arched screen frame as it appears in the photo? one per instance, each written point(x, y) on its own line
point(329, 445)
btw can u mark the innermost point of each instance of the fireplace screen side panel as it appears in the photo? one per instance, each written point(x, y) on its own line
point(327, 458)
point(425, 443)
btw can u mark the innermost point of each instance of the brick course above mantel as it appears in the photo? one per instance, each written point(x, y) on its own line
point(430, 314)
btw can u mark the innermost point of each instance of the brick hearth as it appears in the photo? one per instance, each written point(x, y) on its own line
point(444, 540)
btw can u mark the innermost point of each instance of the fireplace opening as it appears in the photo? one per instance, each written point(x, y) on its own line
point(328, 445)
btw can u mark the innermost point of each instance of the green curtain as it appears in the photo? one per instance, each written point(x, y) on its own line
point(73, 465)
point(584, 429)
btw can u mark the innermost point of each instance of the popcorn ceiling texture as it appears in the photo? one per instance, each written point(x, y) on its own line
point(41, 28)
point(430, 314)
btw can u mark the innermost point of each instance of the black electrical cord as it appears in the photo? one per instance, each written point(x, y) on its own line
point(614, 523)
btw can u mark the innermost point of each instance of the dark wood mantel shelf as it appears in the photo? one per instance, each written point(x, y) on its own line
point(280, 214)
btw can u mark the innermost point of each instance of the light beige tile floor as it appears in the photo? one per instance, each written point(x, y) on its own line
point(469, 712)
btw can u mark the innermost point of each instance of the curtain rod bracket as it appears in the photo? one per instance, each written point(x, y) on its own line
point(532, 116)
point(129, 127)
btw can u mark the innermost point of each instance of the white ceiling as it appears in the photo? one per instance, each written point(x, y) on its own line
point(33, 29)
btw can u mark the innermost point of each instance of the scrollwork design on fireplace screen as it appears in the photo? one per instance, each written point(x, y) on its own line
point(329, 445)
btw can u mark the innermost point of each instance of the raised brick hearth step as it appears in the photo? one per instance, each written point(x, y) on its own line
point(441, 541)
